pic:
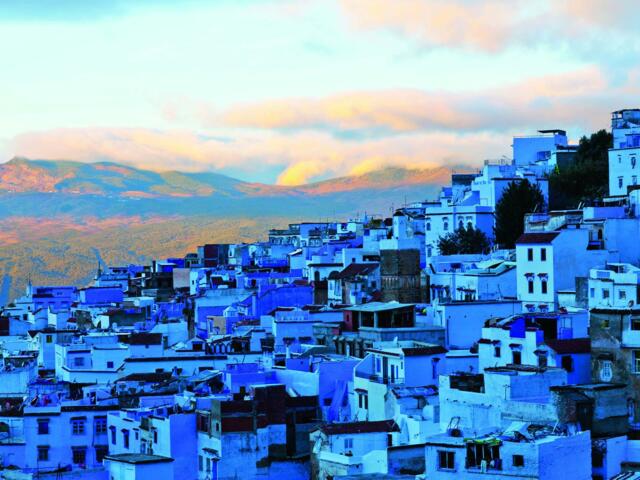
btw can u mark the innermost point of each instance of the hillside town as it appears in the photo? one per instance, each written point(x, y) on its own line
point(353, 349)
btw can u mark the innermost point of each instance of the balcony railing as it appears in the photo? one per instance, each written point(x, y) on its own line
point(372, 377)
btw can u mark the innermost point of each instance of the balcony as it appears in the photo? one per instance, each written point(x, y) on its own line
point(372, 377)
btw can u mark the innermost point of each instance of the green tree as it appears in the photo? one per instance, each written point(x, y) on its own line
point(518, 199)
point(587, 178)
point(464, 240)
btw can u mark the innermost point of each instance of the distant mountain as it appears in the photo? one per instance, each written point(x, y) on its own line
point(21, 175)
point(57, 218)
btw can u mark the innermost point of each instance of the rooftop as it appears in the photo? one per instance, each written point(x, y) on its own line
point(138, 458)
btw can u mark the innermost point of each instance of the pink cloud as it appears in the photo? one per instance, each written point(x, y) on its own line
point(580, 98)
point(494, 25)
point(293, 158)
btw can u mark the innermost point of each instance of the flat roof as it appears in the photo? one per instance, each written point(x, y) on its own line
point(379, 306)
point(138, 458)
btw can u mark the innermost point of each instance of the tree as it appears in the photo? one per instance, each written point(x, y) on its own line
point(587, 178)
point(464, 240)
point(518, 199)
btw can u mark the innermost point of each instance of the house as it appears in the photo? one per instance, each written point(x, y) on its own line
point(616, 285)
point(615, 344)
point(162, 431)
point(263, 433)
point(355, 284)
point(136, 466)
point(623, 156)
point(548, 262)
point(539, 340)
point(363, 325)
point(59, 433)
point(523, 450)
point(393, 364)
point(351, 448)
point(471, 278)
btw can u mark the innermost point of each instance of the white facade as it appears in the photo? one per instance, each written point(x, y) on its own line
point(614, 286)
point(550, 261)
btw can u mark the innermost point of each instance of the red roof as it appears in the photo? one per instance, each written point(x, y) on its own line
point(537, 238)
point(572, 345)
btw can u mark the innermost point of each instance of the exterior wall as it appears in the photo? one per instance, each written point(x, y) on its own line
point(61, 438)
point(442, 220)
point(127, 471)
point(554, 458)
point(566, 258)
point(623, 169)
point(400, 275)
point(611, 362)
point(536, 269)
point(464, 321)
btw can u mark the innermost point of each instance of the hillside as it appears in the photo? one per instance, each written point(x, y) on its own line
point(58, 217)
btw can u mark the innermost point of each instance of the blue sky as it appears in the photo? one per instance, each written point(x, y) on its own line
point(291, 91)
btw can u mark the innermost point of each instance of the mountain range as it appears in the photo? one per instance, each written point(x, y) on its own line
point(58, 218)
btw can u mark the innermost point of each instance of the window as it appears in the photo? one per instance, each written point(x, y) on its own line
point(597, 458)
point(634, 180)
point(100, 425)
point(428, 226)
point(125, 438)
point(605, 323)
point(518, 460)
point(78, 361)
point(348, 443)
point(110, 364)
point(530, 254)
point(567, 363)
point(635, 323)
point(496, 351)
point(43, 426)
point(79, 455)
point(113, 434)
point(635, 367)
point(622, 294)
point(49, 338)
point(480, 454)
point(605, 293)
point(517, 357)
point(363, 400)
point(620, 182)
point(43, 453)
point(77, 426)
point(542, 361)
point(544, 286)
point(543, 254)
point(530, 286)
point(445, 226)
point(200, 462)
point(434, 367)
point(155, 436)
point(446, 460)
point(592, 292)
point(101, 452)
point(606, 372)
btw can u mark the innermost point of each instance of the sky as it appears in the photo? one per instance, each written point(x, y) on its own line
point(293, 91)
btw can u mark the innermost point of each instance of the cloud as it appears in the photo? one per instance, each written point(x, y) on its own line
point(495, 25)
point(289, 158)
point(581, 98)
